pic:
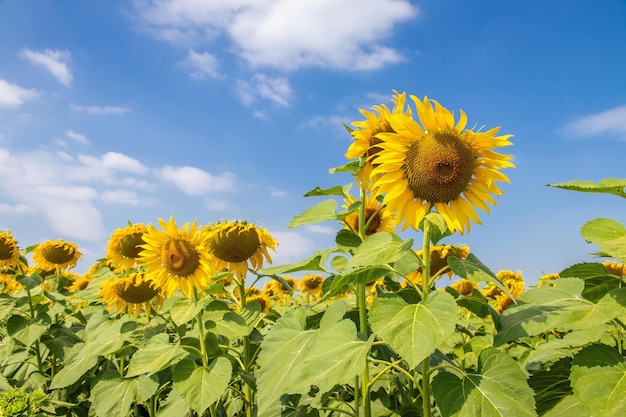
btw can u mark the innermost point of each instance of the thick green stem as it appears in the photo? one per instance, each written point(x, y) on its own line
point(205, 362)
point(426, 290)
point(249, 395)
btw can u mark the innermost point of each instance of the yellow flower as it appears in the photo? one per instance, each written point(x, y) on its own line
point(513, 281)
point(124, 246)
point(9, 252)
point(131, 292)
point(235, 246)
point(79, 284)
point(439, 255)
point(438, 164)
point(614, 268)
point(8, 283)
point(548, 280)
point(56, 255)
point(311, 284)
point(262, 300)
point(464, 286)
point(377, 217)
point(176, 259)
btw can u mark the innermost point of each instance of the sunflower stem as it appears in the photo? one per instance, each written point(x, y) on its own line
point(426, 289)
point(196, 298)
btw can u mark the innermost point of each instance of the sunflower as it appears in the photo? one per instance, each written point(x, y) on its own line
point(364, 135)
point(513, 281)
point(233, 244)
point(377, 217)
point(56, 255)
point(263, 301)
point(176, 259)
point(464, 286)
point(311, 285)
point(9, 252)
point(614, 268)
point(131, 292)
point(439, 255)
point(438, 164)
point(8, 283)
point(548, 279)
point(124, 245)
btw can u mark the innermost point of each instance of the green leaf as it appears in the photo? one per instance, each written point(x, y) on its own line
point(566, 346)
point(474, 270)
point(157, 354)
point(77, 362)
point(414, 330)
point(183, 311)
point(200, 387)
point(551, 385)
point(569, 406)
point(352, 166)
point(113, 395)
point(497, 389)
point(559, 308)
point(357, 276)
point(599, 380)
point(347, 238)
point(27, 331)
point(106, 338)
point(340, 190)
point(613, 186)
point(598, 282)
point(173, 406)
point(380, 249)
point(608, 234)
point(228, 323)
point(7, 303)
point(321, 212)
point(314, 263)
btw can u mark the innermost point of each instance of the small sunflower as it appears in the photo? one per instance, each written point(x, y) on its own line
point(233, 245)
point(9, 252)
point(513, 281)
point(464, 286)
point(125, 245)
point(56, 255)
point(377, 217)
point(262, 300)
point(548, 279)
point(311, 285)
point(438, 164)
point(79, 284)
point(439, 255)
point(614, 268)
point(176, 259)
point(131, 292)
point(8, 283)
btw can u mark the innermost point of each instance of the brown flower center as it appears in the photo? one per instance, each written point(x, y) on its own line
point(236, 244)
point(58, 255)
point(180, 257)
point(6, 248)
point(135, 293)
point(129, 246)
point(439, 167)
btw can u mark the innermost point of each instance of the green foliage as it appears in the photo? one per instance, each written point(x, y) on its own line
point(613, 186)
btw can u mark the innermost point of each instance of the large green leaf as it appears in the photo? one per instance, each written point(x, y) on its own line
point(293, 359)
point(183, 311)
point(157, 354)
point(321, 212)
point(497, 389)
point(340, 190)
point(569, 406)
point(613, 186)
point(562, 347)
point(599, 380)
point(199, 386)
point(77, 362)
point(106, 338)
point(358, 276)
point(113, 395)
point(474, 270)
point(608, 234)
point(28, 331)
point(314, 263)
point(173, 406)
point(414, 330)
point(561, 307)
point(379, 249)
point(598, 281)
point(7, 303)
point(551, 385)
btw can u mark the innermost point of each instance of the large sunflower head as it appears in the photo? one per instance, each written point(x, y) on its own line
point(438, 164)
point(236, 246)
point(9, 252)
point(365, 140)
point(176, 259)
point(131, 292)
point(124, 245)
point(377, 217)
point(56, 255)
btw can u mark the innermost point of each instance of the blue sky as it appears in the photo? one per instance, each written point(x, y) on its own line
point(124, 111)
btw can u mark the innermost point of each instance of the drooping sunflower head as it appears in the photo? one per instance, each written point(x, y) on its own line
point(124, 245)
point(9, 252)
point(236, 246)
point(439, 255)
point(56, 255)
point(614, 268)
point(176, 259)
point(131, 292)
point(514, 283)
point(438, 164)
point(464, 286)
point(377, 218)
point(311, 283)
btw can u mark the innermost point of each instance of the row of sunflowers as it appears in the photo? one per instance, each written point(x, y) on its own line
point(195, 321)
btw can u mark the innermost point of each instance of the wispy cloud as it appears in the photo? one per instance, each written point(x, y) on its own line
point(201, 64)
point(53, 60)
point(100, 110)
point(611, 123)
point(12, 95)
point(276, 90)
point(285, 34)
point(77, 137)
point(194, 181)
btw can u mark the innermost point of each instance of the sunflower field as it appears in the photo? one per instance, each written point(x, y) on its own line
point(194, 320)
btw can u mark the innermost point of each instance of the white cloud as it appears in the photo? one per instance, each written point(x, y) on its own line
point(292, 247)
point(195, 181)
point(77, 137)
point(322, 230)
point(216, 205)
point(7, 209)
point(202, 65)
point(114, 161)
point(611, 122)
point(285, 34)
point(276, 192)
point(12, 95)
point(120, 196)
point(261, 86)
point(100, 110)
point(53, 60)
